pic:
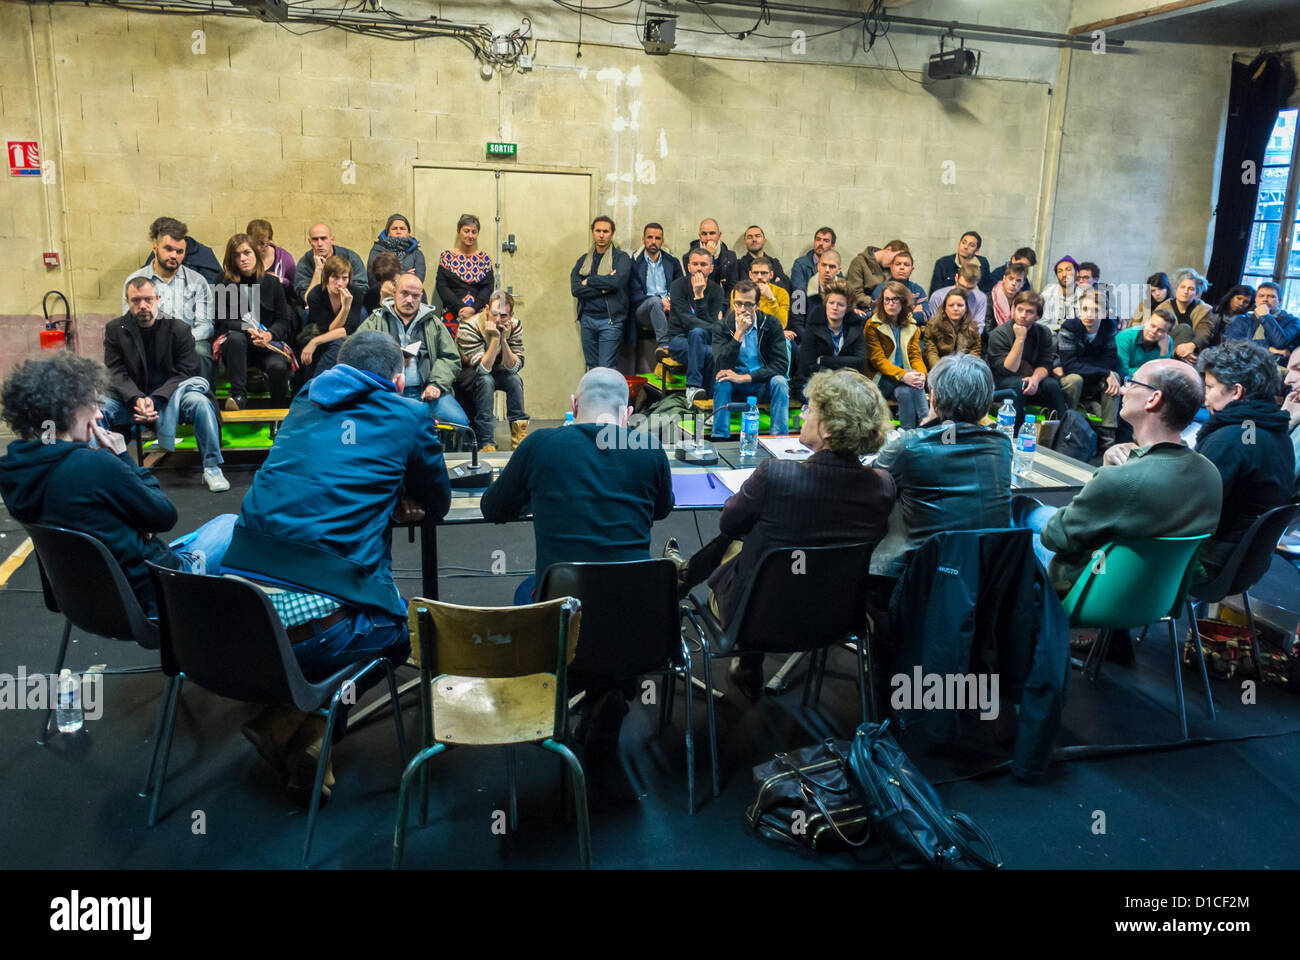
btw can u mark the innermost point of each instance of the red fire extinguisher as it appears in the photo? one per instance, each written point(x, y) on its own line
point(52, 337)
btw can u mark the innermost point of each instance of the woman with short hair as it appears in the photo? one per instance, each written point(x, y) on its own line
point(465, 278)
point(333, 313)
point(1189, 311)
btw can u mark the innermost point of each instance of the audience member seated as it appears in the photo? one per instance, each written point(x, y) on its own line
point(196, 256)
point(653, 274)
point(432, 360)
point(600, 281)
point(314, 532)
point(1023, 359)
point(308, 272)
point(593, 496)
point(806, 308)
point(1060, 299)
point(968, 285)
point(726, 268)
point(1024, 257)
point(945, 268)
point(869, 269)
point(276, 261)
point(1150, 341)
point(839, 342)
point(182, 293)
point(894, 358)
point(1189, 311)
point(952, 330)
point(751, 359)
point(900, 269)
point(697, 305)
point(492, 354)
point(1003, 295)
point(1236, 301)
point(829, 498)
point(154, 379)
point(1133, 500)
point(755, 247)
point(253, 323)
point(805, 268)
point(1279, 330)
point(1158, 288)
point(1291, 404)
point(65, 470)
point(1091, 364)
point(951, 473)
point(772, 297)
point(384, 270)
point(1088, 277)
point(465, 279)
point(333, 314)
point(396, 238)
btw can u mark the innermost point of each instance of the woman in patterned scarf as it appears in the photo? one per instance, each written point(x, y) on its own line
point(396, 238)
point(465, 278)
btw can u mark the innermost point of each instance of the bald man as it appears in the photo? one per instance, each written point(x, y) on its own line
point(726, 268)
point(321, 238)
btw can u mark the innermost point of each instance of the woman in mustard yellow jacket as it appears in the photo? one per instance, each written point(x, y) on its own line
point(894, 358)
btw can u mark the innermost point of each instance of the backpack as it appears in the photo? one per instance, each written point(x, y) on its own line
point(1075, 437)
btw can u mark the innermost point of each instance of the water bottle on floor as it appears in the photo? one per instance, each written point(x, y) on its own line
point(749, 429)
point(568, 418)
point(1007, 420)
point(1022, 462)
point(67, 713)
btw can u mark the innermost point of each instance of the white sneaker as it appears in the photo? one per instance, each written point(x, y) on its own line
point(692, 393)
point(215, 479)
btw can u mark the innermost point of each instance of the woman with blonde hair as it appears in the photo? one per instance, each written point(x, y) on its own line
point(894, 360)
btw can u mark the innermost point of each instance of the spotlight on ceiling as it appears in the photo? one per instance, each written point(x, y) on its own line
point(660, 35)
point(957, 62)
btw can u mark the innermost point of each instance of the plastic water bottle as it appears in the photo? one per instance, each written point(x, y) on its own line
point(749, 429)
point(568, 418)
point(67, 713)
point(1022, 462)
point(1007, 420)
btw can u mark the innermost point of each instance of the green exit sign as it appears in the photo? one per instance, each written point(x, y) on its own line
point(502, 149)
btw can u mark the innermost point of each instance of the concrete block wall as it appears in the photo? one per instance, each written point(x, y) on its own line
point(262, 123)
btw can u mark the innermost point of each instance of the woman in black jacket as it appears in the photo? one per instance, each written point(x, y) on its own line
point(333, 314)
point(838, 342)
point(251, 311)
point(465, 277)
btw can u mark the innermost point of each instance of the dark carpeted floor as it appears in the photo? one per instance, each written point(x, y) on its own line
point(74, 803)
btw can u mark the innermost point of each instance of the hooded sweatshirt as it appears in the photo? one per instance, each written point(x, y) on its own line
point(316, 517)
point(70, 484)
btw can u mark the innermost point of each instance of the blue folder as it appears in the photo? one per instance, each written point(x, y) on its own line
point(694, 490)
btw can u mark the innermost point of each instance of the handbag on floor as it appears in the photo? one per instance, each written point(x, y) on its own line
point(1048, 426)
point(907, 814)
point(806, 798)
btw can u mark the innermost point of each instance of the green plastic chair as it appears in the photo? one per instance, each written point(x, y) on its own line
point(1134, 583)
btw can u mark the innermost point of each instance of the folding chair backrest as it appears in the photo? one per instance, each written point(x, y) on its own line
point(223, 634)
point(802, 598)
point(494, 641)
point(631, 624)
point(1251, 557)
point(88, 586)
point(1131, 583)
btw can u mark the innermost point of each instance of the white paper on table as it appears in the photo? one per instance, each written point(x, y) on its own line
point(785, 448)
point(733, 479)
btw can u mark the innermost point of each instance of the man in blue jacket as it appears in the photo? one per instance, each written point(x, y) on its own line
point(314, 530)
point(653, 273)
point(1279, 330)
point(599, 281)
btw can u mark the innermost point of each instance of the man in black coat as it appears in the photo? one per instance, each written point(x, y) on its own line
point(726, 268)
point(1090, 362)
point(696, 306)
point(148, 358)
point(751, 358)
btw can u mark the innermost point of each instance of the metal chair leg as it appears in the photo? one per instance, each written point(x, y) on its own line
point(1200, 657)
point(579, 782)
point(416, 766)
point(821, 675)
point(157, 735)
point(513, 800)
point(1254, 636)
point(168, 727)
point(779, 681)
point(810, 678)
point(665, 701)
point(397, 713)
point(58, 668)
point(321, 763)
point(689, 703)
point(1178, 676)
point(713, 729)
point(862, 678)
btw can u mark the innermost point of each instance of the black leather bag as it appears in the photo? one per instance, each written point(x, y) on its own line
point(906, 812)
point(806, 798)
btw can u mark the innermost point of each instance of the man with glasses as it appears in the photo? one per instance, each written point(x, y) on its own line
point(750, 355)
point(771, 297)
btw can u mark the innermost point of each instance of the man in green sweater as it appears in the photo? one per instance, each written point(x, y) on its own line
point(1137, 345)
point(1134, 500)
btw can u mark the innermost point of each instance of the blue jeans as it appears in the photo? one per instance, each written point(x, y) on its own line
point(482, 390)
point(362, 636)
point(195, 408)
point(600, 339)
point(203, 550)
point(912, 403)
point(777, 390)
point(696, 348)
point(445, 408)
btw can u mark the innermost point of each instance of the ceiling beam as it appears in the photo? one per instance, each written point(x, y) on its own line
point(1162, 11)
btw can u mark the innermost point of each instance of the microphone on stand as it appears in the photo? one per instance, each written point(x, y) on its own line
point(472, 475)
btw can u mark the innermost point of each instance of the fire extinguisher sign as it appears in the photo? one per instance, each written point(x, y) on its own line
point(24, 158)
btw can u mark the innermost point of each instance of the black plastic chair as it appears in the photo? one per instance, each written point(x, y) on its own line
point(631, 626)
point(800, 599)
point(84, 582)
point(244, 654)
point(1245, 567)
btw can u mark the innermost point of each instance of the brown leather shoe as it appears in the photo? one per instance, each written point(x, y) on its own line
point(271, 731)
point(518, 430)
point(303, 756)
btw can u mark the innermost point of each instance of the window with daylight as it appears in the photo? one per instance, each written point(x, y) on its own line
point(1266, 257)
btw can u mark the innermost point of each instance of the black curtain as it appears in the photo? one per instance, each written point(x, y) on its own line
point(1259, 89)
